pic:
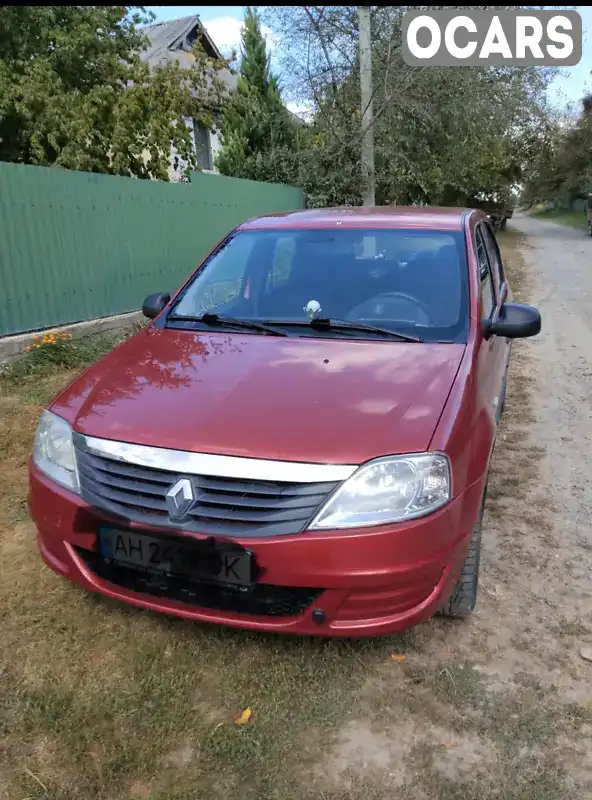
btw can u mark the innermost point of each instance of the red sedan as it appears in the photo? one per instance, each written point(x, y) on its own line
point(300, 439)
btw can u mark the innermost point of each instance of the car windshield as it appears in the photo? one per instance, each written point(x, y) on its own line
point(410, 282)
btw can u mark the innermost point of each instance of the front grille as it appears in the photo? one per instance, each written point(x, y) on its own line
point(262, 599)
point(224, 506)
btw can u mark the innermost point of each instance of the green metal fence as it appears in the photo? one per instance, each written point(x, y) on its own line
point(76, 246)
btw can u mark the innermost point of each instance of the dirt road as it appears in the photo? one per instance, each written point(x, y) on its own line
point(560, 264)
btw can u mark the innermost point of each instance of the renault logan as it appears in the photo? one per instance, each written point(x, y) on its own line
point(300, 439)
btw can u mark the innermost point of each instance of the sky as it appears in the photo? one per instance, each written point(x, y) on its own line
point(223, 23)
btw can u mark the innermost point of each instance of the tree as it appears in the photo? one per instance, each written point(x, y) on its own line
point(561, 168)
point(441, 135)
point(75, 93)
point(256, 130)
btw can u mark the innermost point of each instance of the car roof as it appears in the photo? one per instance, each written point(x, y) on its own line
point(420, 217)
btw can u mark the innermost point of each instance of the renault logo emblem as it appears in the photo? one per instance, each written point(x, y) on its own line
point(179, 498)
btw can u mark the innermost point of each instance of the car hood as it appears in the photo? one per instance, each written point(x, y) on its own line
point(323, 400)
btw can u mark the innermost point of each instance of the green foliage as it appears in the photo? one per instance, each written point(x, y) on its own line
point(257, 132)
point(255, 69)
point(74, 92)
point(441, 135)
point(561, 169)
point(49, 353)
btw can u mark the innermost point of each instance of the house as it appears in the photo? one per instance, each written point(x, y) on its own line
point(173, 41)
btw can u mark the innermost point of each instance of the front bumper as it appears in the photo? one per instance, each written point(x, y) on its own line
point(366, 581)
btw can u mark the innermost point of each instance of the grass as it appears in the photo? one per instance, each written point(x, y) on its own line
point(574, 219)
point(99, 701)
point(49, 355)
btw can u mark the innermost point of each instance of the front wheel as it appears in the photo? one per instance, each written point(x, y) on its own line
point(589, 230)
point(463, 599)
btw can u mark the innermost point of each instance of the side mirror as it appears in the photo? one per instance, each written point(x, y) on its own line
point(154, 304)
point(516, 321)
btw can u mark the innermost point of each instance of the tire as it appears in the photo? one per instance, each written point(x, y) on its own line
point(502, 226)
point(463, 599)
point(589, 230)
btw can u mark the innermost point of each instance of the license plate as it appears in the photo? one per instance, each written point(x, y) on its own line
point(174, 557)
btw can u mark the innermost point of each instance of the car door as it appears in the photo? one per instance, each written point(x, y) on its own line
point(492, 355)
point(502, 292)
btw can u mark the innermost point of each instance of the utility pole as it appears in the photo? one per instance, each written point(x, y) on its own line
point(367, 150)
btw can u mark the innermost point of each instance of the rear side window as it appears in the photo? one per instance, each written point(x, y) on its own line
point(493, 252)
point(487, 290)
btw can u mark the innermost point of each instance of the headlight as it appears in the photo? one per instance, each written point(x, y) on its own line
point(53, 452)
point(390, 489)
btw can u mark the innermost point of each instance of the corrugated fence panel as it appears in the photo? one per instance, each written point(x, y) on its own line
point(77, 246)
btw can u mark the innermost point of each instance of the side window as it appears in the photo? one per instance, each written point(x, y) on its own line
point(493, 252)
point(281, 267)
point(487, 290)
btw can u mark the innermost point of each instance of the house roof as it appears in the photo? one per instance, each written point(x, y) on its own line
point(172, 41)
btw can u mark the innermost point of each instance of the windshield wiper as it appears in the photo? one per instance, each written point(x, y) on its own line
point(234, 322)
point(327, 324)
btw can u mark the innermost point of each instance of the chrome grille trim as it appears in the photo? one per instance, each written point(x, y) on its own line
point(240, 507)
point(188, 463)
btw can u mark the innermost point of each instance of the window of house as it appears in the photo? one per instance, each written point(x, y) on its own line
point(203, 150)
